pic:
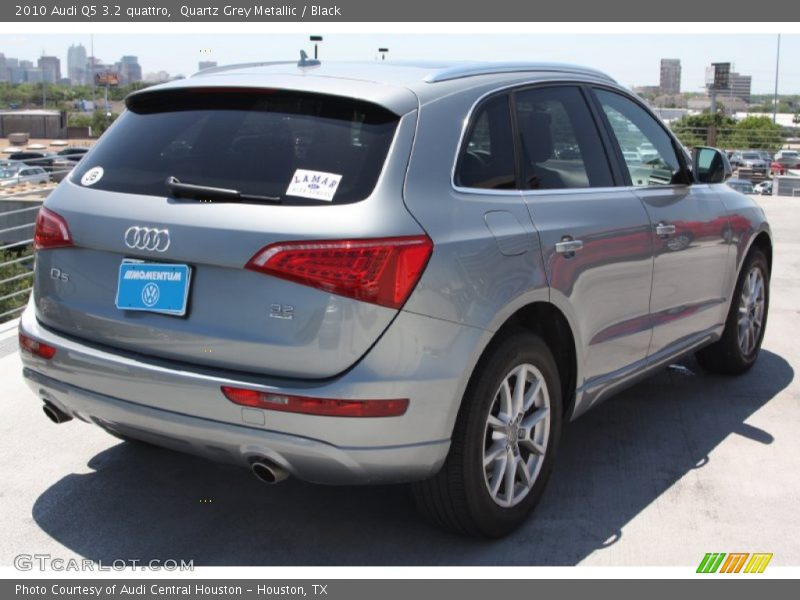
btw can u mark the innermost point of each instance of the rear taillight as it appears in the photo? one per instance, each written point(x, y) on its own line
point(326, 407)
point(382, 271)
point(51, 231)
point(32, 346)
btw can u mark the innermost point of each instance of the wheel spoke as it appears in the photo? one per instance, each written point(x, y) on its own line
point(495, 452)
point(532, 446)
point(530, 397)
point(506, 403)
point(519, 389)
point(510, 476)
point(532, 420)
point(523, 470)
point(498, 422)
point(497, 475)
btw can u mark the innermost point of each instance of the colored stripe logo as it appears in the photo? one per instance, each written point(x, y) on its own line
point(734, 562)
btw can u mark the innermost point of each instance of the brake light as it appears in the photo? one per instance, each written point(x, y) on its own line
point(327, 407)
point(382, 271)
point(28, 344)
point(51, 231)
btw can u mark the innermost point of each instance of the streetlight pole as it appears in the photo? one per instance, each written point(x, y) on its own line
point(777, 64)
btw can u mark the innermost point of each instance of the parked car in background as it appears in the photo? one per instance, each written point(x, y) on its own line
point(39, 159)
point(74, 154)
point(23, 174)
point(788, 154)
point(741, 185)
point(784, 161)
point(749, 160)
point(764, 188)
point(371, 273)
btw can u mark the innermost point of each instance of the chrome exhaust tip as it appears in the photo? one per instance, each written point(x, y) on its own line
point(268, 472)
point(55, 414)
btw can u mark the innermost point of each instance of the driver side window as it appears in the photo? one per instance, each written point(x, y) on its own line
point(646, 148)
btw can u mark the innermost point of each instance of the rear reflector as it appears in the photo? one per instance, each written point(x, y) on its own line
point(28, 344)
point(51, 231)
point(382, 271)
point(327, 407)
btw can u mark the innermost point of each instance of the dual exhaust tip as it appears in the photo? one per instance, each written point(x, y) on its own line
point(263, 468)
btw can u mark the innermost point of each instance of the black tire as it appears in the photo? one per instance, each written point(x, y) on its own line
point(458, 497)
point(726, 355)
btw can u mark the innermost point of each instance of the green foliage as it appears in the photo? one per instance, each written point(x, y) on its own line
point(15, 269)
point(60, 96)
point(98, 121)
point(756, 132)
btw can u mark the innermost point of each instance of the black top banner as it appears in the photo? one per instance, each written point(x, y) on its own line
point(396, 11)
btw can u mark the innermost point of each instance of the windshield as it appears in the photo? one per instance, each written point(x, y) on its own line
point(268, 143)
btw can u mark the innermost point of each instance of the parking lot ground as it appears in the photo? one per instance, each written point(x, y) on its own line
point(675, 467)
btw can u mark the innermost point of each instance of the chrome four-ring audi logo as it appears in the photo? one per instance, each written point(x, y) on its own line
point(147, 238)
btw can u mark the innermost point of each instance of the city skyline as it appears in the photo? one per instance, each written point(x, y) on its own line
point(633, 60)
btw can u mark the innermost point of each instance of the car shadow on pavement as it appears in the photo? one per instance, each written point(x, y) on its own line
point(144, 503)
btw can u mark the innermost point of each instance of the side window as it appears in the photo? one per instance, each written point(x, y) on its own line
point(646, 148)
point(561, 147)
point(486, 160)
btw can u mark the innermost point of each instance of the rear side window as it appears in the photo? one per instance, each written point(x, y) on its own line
point(255, 142)
point(561, 147)
point(486, 160)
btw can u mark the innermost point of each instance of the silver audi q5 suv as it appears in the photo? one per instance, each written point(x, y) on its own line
point(371, 273)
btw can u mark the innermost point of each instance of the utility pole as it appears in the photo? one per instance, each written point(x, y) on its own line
point(775, 99)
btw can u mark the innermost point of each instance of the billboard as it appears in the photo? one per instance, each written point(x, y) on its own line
point(106, 78)
point(718, 76)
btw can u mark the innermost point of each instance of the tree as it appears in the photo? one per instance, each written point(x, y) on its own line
point(757, 132)
point(692, 130)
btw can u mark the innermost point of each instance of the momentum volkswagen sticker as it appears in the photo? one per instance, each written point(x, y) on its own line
point(316, 185)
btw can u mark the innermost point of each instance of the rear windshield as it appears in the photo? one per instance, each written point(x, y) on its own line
point(302, 148)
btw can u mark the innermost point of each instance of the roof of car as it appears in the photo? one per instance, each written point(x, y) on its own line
point(400, 86)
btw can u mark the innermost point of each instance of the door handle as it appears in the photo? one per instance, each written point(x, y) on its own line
point(568, 247)
point(664, 229)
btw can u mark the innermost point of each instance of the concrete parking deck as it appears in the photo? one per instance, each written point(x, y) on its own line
point(676, 467)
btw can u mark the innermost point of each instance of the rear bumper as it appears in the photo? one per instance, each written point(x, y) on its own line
point(423, 359)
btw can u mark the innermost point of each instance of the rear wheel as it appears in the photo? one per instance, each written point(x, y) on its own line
point(738, 348)
point(503, 444)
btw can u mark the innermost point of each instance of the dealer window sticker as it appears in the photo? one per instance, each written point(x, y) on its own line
point(316, 185)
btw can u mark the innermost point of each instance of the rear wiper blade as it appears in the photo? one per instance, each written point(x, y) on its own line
point(206, 193)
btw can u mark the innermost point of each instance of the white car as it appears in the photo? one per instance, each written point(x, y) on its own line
point(25, 174)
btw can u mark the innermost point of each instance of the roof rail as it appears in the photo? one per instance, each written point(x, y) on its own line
point(489, 68)
point(223, 68)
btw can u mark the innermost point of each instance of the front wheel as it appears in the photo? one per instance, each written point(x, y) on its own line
point(738, 348)
point(503, 444)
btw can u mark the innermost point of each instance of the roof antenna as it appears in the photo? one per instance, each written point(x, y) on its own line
point(307, 62)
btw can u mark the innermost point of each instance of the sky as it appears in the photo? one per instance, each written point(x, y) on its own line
point(631, 59)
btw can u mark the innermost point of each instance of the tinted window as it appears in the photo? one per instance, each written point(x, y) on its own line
point(560, 144)
point(243, 140)
point(487, 157)
point(646, 148)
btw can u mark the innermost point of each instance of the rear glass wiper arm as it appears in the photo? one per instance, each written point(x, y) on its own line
point(208, 193)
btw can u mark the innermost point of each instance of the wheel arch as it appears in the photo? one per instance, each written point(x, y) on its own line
point(551, 324)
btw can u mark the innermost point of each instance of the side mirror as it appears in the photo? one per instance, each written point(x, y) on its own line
point(710, 165)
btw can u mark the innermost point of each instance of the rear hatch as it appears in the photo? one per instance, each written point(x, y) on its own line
point(179, 269)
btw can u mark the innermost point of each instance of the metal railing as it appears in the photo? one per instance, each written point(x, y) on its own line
point(17, 221)
point(16, 260)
